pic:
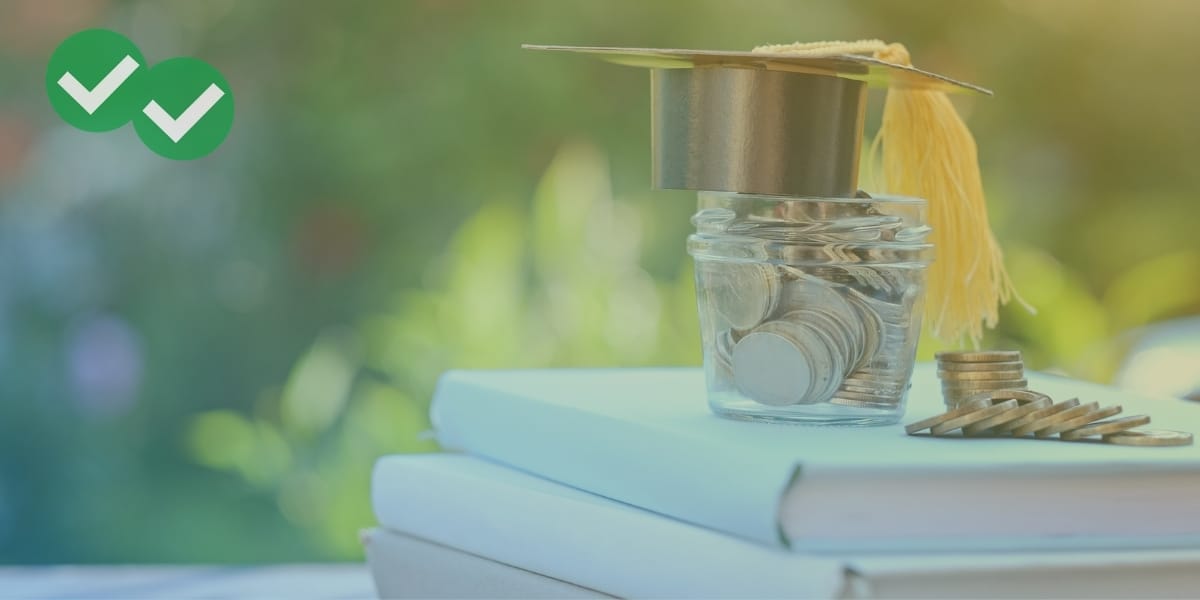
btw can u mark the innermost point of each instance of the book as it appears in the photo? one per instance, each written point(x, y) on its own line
point(458, 526)
point(645, 437)
point(404, 566)
point(567, 534)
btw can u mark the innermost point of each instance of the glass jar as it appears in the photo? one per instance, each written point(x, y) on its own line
point(810, 308)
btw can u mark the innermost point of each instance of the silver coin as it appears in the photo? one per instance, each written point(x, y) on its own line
point(723, 353)
point(841, 399)
point(802, 290)
point(807, 349)
point(846, 343)
point(868, 397)
point(772, 369)
point(818, 345)
point(744, 294)
point(885, 388)
point(895, 315)
point(872, 328)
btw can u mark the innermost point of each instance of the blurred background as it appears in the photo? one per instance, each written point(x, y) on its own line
point(199, 361)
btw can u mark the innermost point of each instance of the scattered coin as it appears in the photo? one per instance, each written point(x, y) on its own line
point(985, 426)
point(1150, 437)
point(972, 417)
point(1036, 415)
point(1022, 412)
point(1106, 427)
point(1080, 421)
point(1054, 419)
point(946, 416)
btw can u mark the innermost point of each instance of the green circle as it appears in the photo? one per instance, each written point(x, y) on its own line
point(177, 89)
point(89, 64)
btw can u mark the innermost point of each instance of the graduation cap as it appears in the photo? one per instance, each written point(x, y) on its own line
point(787, 120)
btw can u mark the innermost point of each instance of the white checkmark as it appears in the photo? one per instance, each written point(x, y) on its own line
point(177, 128)
point(90, 100)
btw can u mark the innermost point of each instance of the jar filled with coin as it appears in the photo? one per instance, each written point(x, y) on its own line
point(810, 308)
point(810, 291)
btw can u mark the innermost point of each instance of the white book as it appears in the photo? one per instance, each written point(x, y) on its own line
point(646, 437)
point(404, 566)
point(458, 527)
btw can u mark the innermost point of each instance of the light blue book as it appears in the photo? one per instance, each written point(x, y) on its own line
point(646, 438)
point(456, 526)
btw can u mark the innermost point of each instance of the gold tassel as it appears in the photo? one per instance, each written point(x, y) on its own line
point(928, 152)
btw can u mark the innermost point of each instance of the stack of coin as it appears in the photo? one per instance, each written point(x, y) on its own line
point(1024, 413)
point(966, 374)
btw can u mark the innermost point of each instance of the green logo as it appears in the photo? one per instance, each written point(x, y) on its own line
point(97, 80)
point(181, 108)
point(190, 109)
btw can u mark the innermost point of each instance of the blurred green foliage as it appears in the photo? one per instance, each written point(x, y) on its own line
point(200, 361)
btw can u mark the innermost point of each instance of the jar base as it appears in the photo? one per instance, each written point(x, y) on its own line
point(815, 415)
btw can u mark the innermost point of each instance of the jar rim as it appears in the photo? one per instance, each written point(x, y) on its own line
point(872, 198)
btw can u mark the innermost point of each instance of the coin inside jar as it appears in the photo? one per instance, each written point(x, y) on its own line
point(744, 294)
point(723, 353)
point(771, 368)
point(782, 363)
point(841, 330)
point(819, 345)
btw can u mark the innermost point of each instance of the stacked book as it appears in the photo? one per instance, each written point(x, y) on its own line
point(597, 483)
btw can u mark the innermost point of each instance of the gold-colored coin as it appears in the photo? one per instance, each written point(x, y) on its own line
point(978, 357)
point(1106, 427)
point(1054, 419)
point(985, 426)
point(985, 366)
point(980, 375)
point(912, 428)
point(974, 416)
point(1079, 421)
point(980, 386)
point(1021, 396)
point(1037, 415)
point(1150, 437)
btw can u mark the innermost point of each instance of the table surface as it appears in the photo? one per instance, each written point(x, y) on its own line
point(301, 581)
